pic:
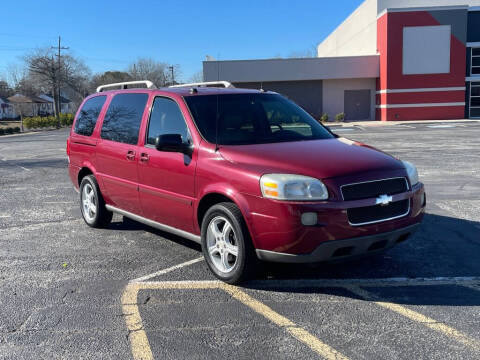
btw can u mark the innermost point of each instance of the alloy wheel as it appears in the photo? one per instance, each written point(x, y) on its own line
point(222, 244)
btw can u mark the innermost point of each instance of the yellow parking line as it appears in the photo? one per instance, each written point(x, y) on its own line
point(420, 318)
point(186, 285)
point(299, 333)
point(138, 338)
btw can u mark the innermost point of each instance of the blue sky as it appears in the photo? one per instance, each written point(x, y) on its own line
point(108, 35)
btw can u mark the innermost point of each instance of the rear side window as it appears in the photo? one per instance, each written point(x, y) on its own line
point(123, 118)
point(166, 118)
point(88, 115)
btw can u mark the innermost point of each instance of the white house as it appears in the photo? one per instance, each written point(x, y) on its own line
point(64, 104)
point(6, 109)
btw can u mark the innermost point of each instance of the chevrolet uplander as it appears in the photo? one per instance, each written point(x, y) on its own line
point(246, 173)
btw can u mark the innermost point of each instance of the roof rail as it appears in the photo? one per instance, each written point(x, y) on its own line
point(123, 85)
point(225, 84)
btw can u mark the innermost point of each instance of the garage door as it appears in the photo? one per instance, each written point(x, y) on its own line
point(357, 104)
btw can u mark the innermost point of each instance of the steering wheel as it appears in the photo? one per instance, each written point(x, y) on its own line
point(288, 134)
point(278, 125)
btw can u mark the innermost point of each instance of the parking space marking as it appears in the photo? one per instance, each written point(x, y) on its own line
point(139, 340)
point(165, 271)
point(21, 167)
point(417, 317)
point(296, 331)
point(140, 345)
point(442, 126)
point(405, 126)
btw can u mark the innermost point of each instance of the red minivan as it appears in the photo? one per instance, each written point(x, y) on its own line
point(246, 173)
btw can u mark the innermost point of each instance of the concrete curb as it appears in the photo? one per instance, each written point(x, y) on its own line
point(392, 123)
point(31, 132)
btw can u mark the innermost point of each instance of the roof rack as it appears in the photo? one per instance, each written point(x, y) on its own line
point(123, 85)
point(225, 84)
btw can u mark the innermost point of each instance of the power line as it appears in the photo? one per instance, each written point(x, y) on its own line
point(59, 48)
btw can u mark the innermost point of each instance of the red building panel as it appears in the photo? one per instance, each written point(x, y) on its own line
point(426, 97)
point(390, 47)
point(423, 113)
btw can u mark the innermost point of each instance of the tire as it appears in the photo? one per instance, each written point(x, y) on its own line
point(92, 204)
point(224, 233)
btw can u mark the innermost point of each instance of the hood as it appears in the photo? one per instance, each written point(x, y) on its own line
point(317, 158)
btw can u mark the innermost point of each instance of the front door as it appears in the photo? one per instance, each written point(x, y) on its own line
point(117, 151)
point(166, 179)
point(357, 104)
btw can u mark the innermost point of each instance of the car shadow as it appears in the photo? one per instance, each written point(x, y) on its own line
point(443, 247)
point(128, 224)
point(56, 163)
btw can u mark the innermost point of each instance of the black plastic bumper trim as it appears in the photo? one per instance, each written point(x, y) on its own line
point(333, 250)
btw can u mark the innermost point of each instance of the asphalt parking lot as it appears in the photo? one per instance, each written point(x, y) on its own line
point(71, 292)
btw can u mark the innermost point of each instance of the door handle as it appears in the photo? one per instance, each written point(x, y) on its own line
point(144, 157)
point(130, 155)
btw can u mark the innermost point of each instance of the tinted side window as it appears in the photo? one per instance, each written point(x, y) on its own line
point(88, 115)
point(123, 118)
point(166, 118)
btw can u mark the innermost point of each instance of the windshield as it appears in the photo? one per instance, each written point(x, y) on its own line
point(253, 119)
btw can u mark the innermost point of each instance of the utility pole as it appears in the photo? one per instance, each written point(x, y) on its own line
point(173, 77)
point(56, 97)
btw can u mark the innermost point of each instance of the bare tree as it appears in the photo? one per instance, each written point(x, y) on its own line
point(5, 89)
point(196, 77)
point(19, 81)
point(311, 52)
point(76, 78)
point(149, 69)
point(50, 74)
point(109, 77)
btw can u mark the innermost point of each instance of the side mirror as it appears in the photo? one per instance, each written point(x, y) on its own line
point(172, 143)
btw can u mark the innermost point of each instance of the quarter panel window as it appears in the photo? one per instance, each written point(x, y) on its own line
point(88, 115)
point(123, 118)
point(166, 118)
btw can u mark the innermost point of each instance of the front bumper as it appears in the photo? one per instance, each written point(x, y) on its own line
point(276, 226)
point(340, 249)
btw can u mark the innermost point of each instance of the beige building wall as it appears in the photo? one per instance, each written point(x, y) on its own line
point(357, 35)
point(333, 94)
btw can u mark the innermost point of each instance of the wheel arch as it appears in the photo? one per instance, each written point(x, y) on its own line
point(84, 171)
point(218, 196)
point(87, 168)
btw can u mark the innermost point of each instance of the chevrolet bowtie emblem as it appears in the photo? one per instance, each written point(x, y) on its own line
point(383, 200)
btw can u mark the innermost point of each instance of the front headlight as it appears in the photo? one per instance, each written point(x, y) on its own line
point(412, 172)
point(292, 187)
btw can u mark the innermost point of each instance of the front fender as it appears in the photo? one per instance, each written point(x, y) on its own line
point(231, 193)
